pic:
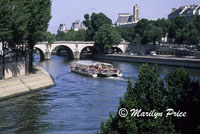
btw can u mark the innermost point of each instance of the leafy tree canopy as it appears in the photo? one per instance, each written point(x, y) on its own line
point(149, 92)
point(94, 22)
point(106, 37)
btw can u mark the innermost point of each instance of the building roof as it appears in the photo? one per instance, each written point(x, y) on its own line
point(189, 10)
point(124, 18)
point(176, 13)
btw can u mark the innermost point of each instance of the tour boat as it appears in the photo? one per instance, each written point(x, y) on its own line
point(94, 69)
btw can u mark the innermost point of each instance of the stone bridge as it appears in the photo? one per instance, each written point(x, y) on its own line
point(74, 48)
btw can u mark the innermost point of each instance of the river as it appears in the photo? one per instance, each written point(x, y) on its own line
point(76, 105)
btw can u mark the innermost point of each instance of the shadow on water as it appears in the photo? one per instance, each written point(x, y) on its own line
point(23, 114)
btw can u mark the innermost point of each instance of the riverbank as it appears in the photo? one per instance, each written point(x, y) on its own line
point(24, 84)
point(160, 60)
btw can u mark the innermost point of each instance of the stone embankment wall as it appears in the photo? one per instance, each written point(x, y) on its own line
point(25, 84)
point(181, 62)
point(14, 67)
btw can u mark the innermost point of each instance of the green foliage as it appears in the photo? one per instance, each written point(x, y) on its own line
point(20, 15)
point(127, 33)
point(184, 95)
point(141, 26)
point(152, 34)
point(177, 30)
point(192, 34)
point(14, 22)
point(149, 31)
point(94, 22)
point(5, 20)
point(40, 14)
point(150, 93)
point(185, 32)
point(164, 24)
point(49, 37)
point(106, 37)
point(81, 35)
point(72, 35)
point(137, 39)
point(147, 94)
point(193, 31)
point(178, 84)
point(24, 22)
point(60, 36)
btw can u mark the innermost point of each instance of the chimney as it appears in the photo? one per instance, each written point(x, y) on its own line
point(173, 9)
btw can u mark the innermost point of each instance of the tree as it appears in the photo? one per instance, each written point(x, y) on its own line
point(13, 25)
point(178, 84)
point(94, 22)
point(184, 95)
point(20, 19)
point(127, 33)
point(196, 22)
point(137, 38)
point(49, 37)
point(164, 24)
point(60, 36)
point(152, 34)
point(177, 30)
point(106, 37)
point(70, 36)
point(147, 94)
point(180, 93)
point(5, 21)
point(5, 27)
point(140, 27)
point(191, 34)
point(40, 14)
point(193, 31)
point(81, 35)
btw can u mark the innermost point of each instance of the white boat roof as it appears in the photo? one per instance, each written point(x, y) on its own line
point(88, 62)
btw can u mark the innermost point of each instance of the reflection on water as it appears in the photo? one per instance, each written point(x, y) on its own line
point(76, 105)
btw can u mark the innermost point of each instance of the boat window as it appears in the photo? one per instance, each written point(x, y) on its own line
point(103, 66)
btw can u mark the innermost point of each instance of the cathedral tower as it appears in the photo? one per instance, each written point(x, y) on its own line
point(136, 13)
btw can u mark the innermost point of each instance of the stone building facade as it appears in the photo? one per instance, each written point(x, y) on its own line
point(78, 25)
point(188, 11)
point(126, 19)
point(62, 28)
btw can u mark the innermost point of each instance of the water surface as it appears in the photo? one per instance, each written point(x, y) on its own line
point(76, 105)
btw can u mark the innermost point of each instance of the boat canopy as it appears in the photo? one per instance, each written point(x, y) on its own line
point(91, 63)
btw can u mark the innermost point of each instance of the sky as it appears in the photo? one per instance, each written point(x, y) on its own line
point(68, 11)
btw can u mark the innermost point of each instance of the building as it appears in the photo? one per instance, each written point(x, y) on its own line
point(62, 28)
point(126, 19)
point(77, 25)
point(136, 13)
point(188, 11)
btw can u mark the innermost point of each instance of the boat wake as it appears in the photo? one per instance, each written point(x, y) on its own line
point(117, 78)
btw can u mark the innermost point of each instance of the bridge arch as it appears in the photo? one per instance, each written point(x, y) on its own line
point(66, 50)
point(88, 50)
point(117, 50)
point(41, 52)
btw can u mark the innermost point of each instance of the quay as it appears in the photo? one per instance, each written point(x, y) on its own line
point(25, 84)
point(160, 60)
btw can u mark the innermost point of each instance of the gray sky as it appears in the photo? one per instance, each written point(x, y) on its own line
point(68, 11)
